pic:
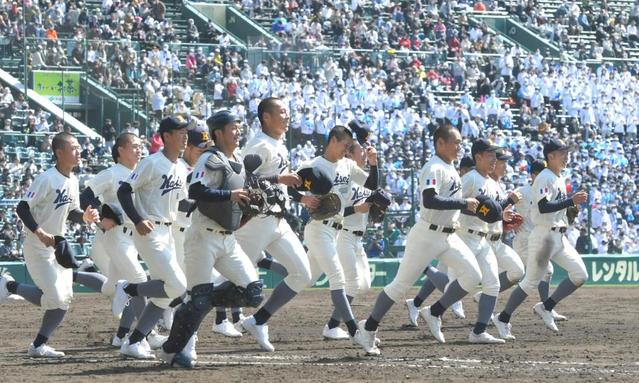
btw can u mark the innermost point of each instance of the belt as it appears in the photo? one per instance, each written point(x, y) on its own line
point(223, 232)
point(163, 223)
point(479, 233)
point(276, 214)
point(495, 237)
point(443, 229)
point(126, 230)
point(334, 225)
point(560, 229)
point(358, 233)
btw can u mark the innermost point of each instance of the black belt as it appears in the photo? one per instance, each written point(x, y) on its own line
point(276, 214)
point(223, 232)
point(334, 225)
point(479, 233)
point(126, 229)
point(495, 237)
point(163, 223)
point(358, 233)
point(561, 229)
point(447, 230)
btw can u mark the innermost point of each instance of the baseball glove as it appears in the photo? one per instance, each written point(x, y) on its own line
point(514, 223)
point(571, 213)
point(329, 205)
point(380, 200)
point(254, 207)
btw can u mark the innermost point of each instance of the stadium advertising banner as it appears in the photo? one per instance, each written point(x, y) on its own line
point(58, 86)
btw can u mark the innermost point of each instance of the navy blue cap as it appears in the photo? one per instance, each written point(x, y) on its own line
point(553, 145)
point(466, 162)
point(537, 166)
point(198, 137)
point(360, 130)
point(64, 254)
point(488, 210)
point(483, 145)
point(503, 155)
point(220, 119)
point(171, 123)
point(315, 181)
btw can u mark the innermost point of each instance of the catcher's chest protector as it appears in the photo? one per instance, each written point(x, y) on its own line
point(227, 214)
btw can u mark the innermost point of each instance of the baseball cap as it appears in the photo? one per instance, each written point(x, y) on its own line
point(360, 130)
point(503, 155)
point(315, 181)
point(220, 119)
point(483, 145)
point(466, 162)
point(537, 166)
point(64, 254)
point(171, 123)
point(488, 210)
point(198, 137)
point(554, 145)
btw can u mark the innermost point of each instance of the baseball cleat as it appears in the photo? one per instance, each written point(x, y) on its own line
point(366, 339)
point(5, 295)
point(117, 342)
point(546, 315)
point(136, 350)
point(167, 317)
point(189, 349)
point(458, 310)
point(238, 325)
point(226, 328)
point(156, 340)
point(43, 351)
point(503, 328)
point(180, 359)
point(120, 299)
point(485, 338)
point(476, 297)
point(334, 333)
point(556, 316)
point(413, 312)
point(434, 324)
point(259, 332)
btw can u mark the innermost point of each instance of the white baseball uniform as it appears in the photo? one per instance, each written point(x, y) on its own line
point(473, 231)
point(320, 236)
point(209, 245)
point(507, 258)
point(50, 197)
point(159, 184)
point(115, 246)
point(520, 242)
point(549, 242)
point(269, 232)
point(181, 224)
point(350, 248)
point(434, 237)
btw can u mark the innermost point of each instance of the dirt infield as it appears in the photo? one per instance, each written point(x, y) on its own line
point(598, 343)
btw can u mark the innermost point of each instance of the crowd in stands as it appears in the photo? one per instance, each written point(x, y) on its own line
point(517, 99)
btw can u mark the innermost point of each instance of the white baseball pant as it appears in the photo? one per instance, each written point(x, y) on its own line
point(357, 273)
point(55, 281)
point(486, 260)
point(276, 236)
point(157, 250)
point(422, 247)
point(322, 253)
point(551, 245)
point(508, 260)
point(99, 253)
point(205, 250)
point(520, 244)
point(123, 258)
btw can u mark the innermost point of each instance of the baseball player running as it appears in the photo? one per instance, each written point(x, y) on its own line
point(548, 215)
point(271, 232)
point(433, 237)
point(217, 186)
point(520, 242)
point(350, 248)
point(52, 199)
point(320, 235)
point(159, 185)
point(115, 245)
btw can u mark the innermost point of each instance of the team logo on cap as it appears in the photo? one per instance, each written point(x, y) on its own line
point(307, 184)
point(205, 136)
point(484, 210)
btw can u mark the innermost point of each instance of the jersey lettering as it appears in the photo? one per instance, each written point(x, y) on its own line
point(283, 163)
point(341, 180)
point(560, 195)
point(170, 184)
point(454, 187)
point(62, 199)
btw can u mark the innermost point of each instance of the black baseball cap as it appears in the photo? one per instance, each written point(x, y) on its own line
point(315, 181)
point(171, 123)
point(554, 145)
point(483, 145)
point(488, 210)
point(466, 162)
point(360, 131)
point(537, 166)
point(503, 155)
point(198, 137)
point(220, 119)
